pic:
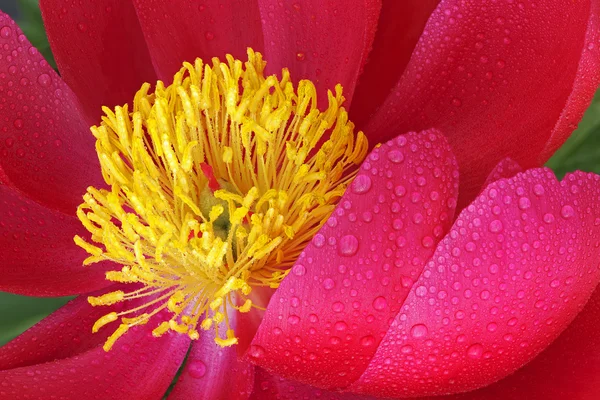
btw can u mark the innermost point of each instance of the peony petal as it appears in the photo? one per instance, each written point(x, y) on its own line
point(46, 150)
point(517, 266)
point(270, 387)
point(568, 369)
point(181, 30)
point(214, 372)
point(496, 78)
point(39, 257)
point(99, 49)
point(506, 168)
point(400, 26)
point(326, 43)
point(324, 322)
point(68, 365)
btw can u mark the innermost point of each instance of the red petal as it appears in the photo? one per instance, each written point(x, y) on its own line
point(326, 43)
point(39, 257)
point(270, 387)
point(518, 265)
point(324, 322)
point(99, 49)
point(506, 168)
point(568, 369)
point(400, 26)
point(182, 30)
point(66, 364)
point(46, 150)
point(215, 373)
point(496, 78)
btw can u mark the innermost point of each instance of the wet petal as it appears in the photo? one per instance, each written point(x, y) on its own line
point(39, 257)
point(99, 49)
point(326, 319)
point(568, 369)
point(499, 80)
point(61, 358)
point(518, 265)
point(270, 387)
point(326, 43)
point(399, 28)
point(214, 372)
point(46, 149)
point(181, 30)
point(506, 168)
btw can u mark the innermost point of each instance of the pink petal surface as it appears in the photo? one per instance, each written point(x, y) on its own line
point(506, 168)
point(568, 369)
point(517, 266)
point(496, 77)
point(326, 42)
point(62, 363)
point(37, 251)
point(181, 30)
point(270, 387)
point(99, 50)
point(46, 150)
point(326, 319)
point(214, 372)
point(399, 28)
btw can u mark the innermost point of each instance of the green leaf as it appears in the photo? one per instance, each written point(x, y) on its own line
point(18, 313)
point(30, 21)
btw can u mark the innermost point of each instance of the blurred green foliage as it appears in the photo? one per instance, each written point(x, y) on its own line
point(17, 313)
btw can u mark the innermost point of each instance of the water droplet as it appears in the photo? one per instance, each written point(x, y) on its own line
point(418, 331)
point(300, 56)
point(337, 306)
point(18, 123)
point(361, 184)
point(5, 31)
point(293, 319)
point(475, 351)
point(44, 80)
point(524, 203)
point(367, 341)
point(380, 303)
point(209, 35)
point(299, 269)
point(197, 369)
point(496, 226)
point(318, 240)
point(328, 284)
point(348, 245)
point(395, 156)
point(256, 351)
point(567, 212)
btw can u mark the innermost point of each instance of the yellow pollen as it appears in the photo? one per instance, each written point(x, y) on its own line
point(217, 183)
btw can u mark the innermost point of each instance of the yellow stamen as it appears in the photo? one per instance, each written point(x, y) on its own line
point(197, 250)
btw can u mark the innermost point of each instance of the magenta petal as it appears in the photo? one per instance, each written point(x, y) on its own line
point(270, 387)
point(325, 43)
point(214, 372)
point(60, 358)
point(399, 28)
point(499, 79)
point(46, 148)
point(326, 319)
point(568, 369)
point(506, 168)
point(182, 30)
point(39, 257)
point(517, 266)
point(99, 49)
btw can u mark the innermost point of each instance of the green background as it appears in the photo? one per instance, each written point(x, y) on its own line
point(17, 313)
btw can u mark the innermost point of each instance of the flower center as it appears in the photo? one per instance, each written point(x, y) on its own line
point(217, 183)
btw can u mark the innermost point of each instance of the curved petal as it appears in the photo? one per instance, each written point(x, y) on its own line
point(517, 266)
point(270, 387)
point(496, 77)
point(214, 372)
point(71, 366)
point(568, 369)
point(398, 30)
point(46, 149)
point(326, 319)
point(99, 49)
point(506, 168)
point(37, 251)
point(182, 30)
point(326, 43)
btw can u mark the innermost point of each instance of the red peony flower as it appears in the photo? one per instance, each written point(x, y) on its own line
point(206, 193)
